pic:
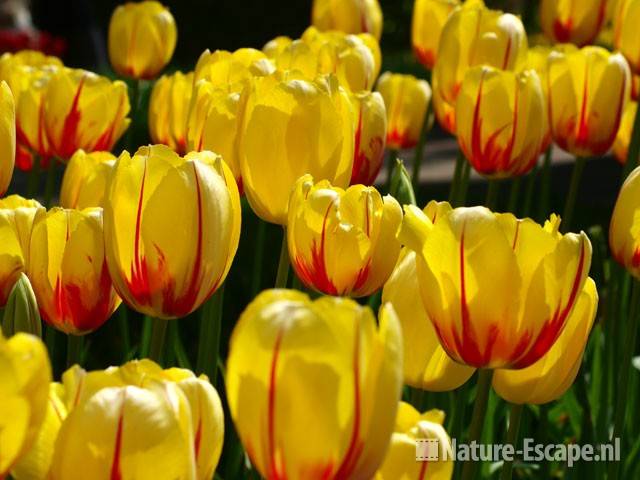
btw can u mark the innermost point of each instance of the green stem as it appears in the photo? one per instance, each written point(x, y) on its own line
point(545, 189)
point(465, 175)
point(50, 340)
point(419, 152)
point(570, 205)
point(623, 378)
point(145, 337)
point(543, 429)
point(158, 335)
point(283, 263)
point(210, 330)
point(453, 192)
point(528, 193)
point(514, 195)
point(74, 350)
point(256, 281)
point(633, 157)
point(515, 416)
point(50, 183)
point(477, 419)
point(34, 176)
point(123, 325)
point(136, 90)
point(493, 189)
point(392, 155)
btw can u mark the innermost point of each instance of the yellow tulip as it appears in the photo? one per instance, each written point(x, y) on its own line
point(370, 120)
point(231, 70)
point(501, 120)
point(623, 137)
point(291, 128)
point(429, 18)
point(349, 16)
point(400, 462)
point(168, 110)
point(474, 35)
point(142, 38)
point(626, 39)
point(567, 21)
point(426, 364)
point(584, 116)
point(12, 71)
point(551, 376)
point(85, 179)
point(16, 222)
point(342, 242)
point(290, 356)
point(167, 257)
point(624, 235)
point(407, 100)
point(68, 270)
point(83, 110)
point(485, 283)
point(25, 372)
point(7, 136)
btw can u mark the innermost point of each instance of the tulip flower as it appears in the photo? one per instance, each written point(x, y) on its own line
point(566, 21)
point(501, 120)
point(429, 18)
point(407, 100)
point(231, 70)
point(626, 40)
point(16, 221)
point(25, 372)
point(495, 268)
point(623, 137)
point(290, 359)
point(585, 117)
point(474, 35)
point(624, 238)
point(349, 16)
point(370, 117)
point(68, 270)
point(426, 364)
point(7, 136)
point(168, 110)
point(83, 110)
point(551, 376)
point(142, 38)
point(21, 310)
point(85, 179)
point(310, 130)
point(342, 242)
point(9, 63)
point(167, 257)
point(400, 461)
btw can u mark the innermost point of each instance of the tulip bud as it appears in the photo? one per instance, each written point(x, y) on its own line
point(624, 237)
point(290, 356)
point(511, 312)
point(342, 242)
point(626, 40)
point(585, 117)
point(168, 110)
point(26, 373)
point(21, 311)
point(167, 257)
point(566, 22)
point(349, 16)
point(500, 119)
point(7, 136)
point(370, 117)
point(142, 38)
point(623, 137)
point(407, 100)
point(401, 187)
point(230, 71)
point(85, 179)
point(310, 131)
point(400, 460)
point(83, 110)
point(550, 377)
point(429, 18)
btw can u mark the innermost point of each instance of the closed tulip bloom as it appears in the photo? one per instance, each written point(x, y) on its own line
point(623, 137)
point(584, 116)
point(407, 100)
point(167, 257)
point(16, 222)
point(626, 39)
point(142, 38)
point(7, 137)
point(349, 16)
point(26, 372)
point(85, 179)
point(68, 270)
point(550, 377)
point(624, 238)
point(485, 284)
point(370, 117)
point(231, 70)
point(83, 110)
point(500, 119)
point(168, 110)
point(291, 128)
point(400, 461)
point(473, 36)
point(429, 18)
point(566, 21)
point(290, 356)
point(342, 242)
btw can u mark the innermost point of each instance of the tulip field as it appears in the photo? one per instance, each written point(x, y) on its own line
point(245, 268)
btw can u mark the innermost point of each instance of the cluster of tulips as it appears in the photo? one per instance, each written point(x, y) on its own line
point(316, 383)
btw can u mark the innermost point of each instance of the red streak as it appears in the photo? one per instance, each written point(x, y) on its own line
point(275, 472)
point(116, 472)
